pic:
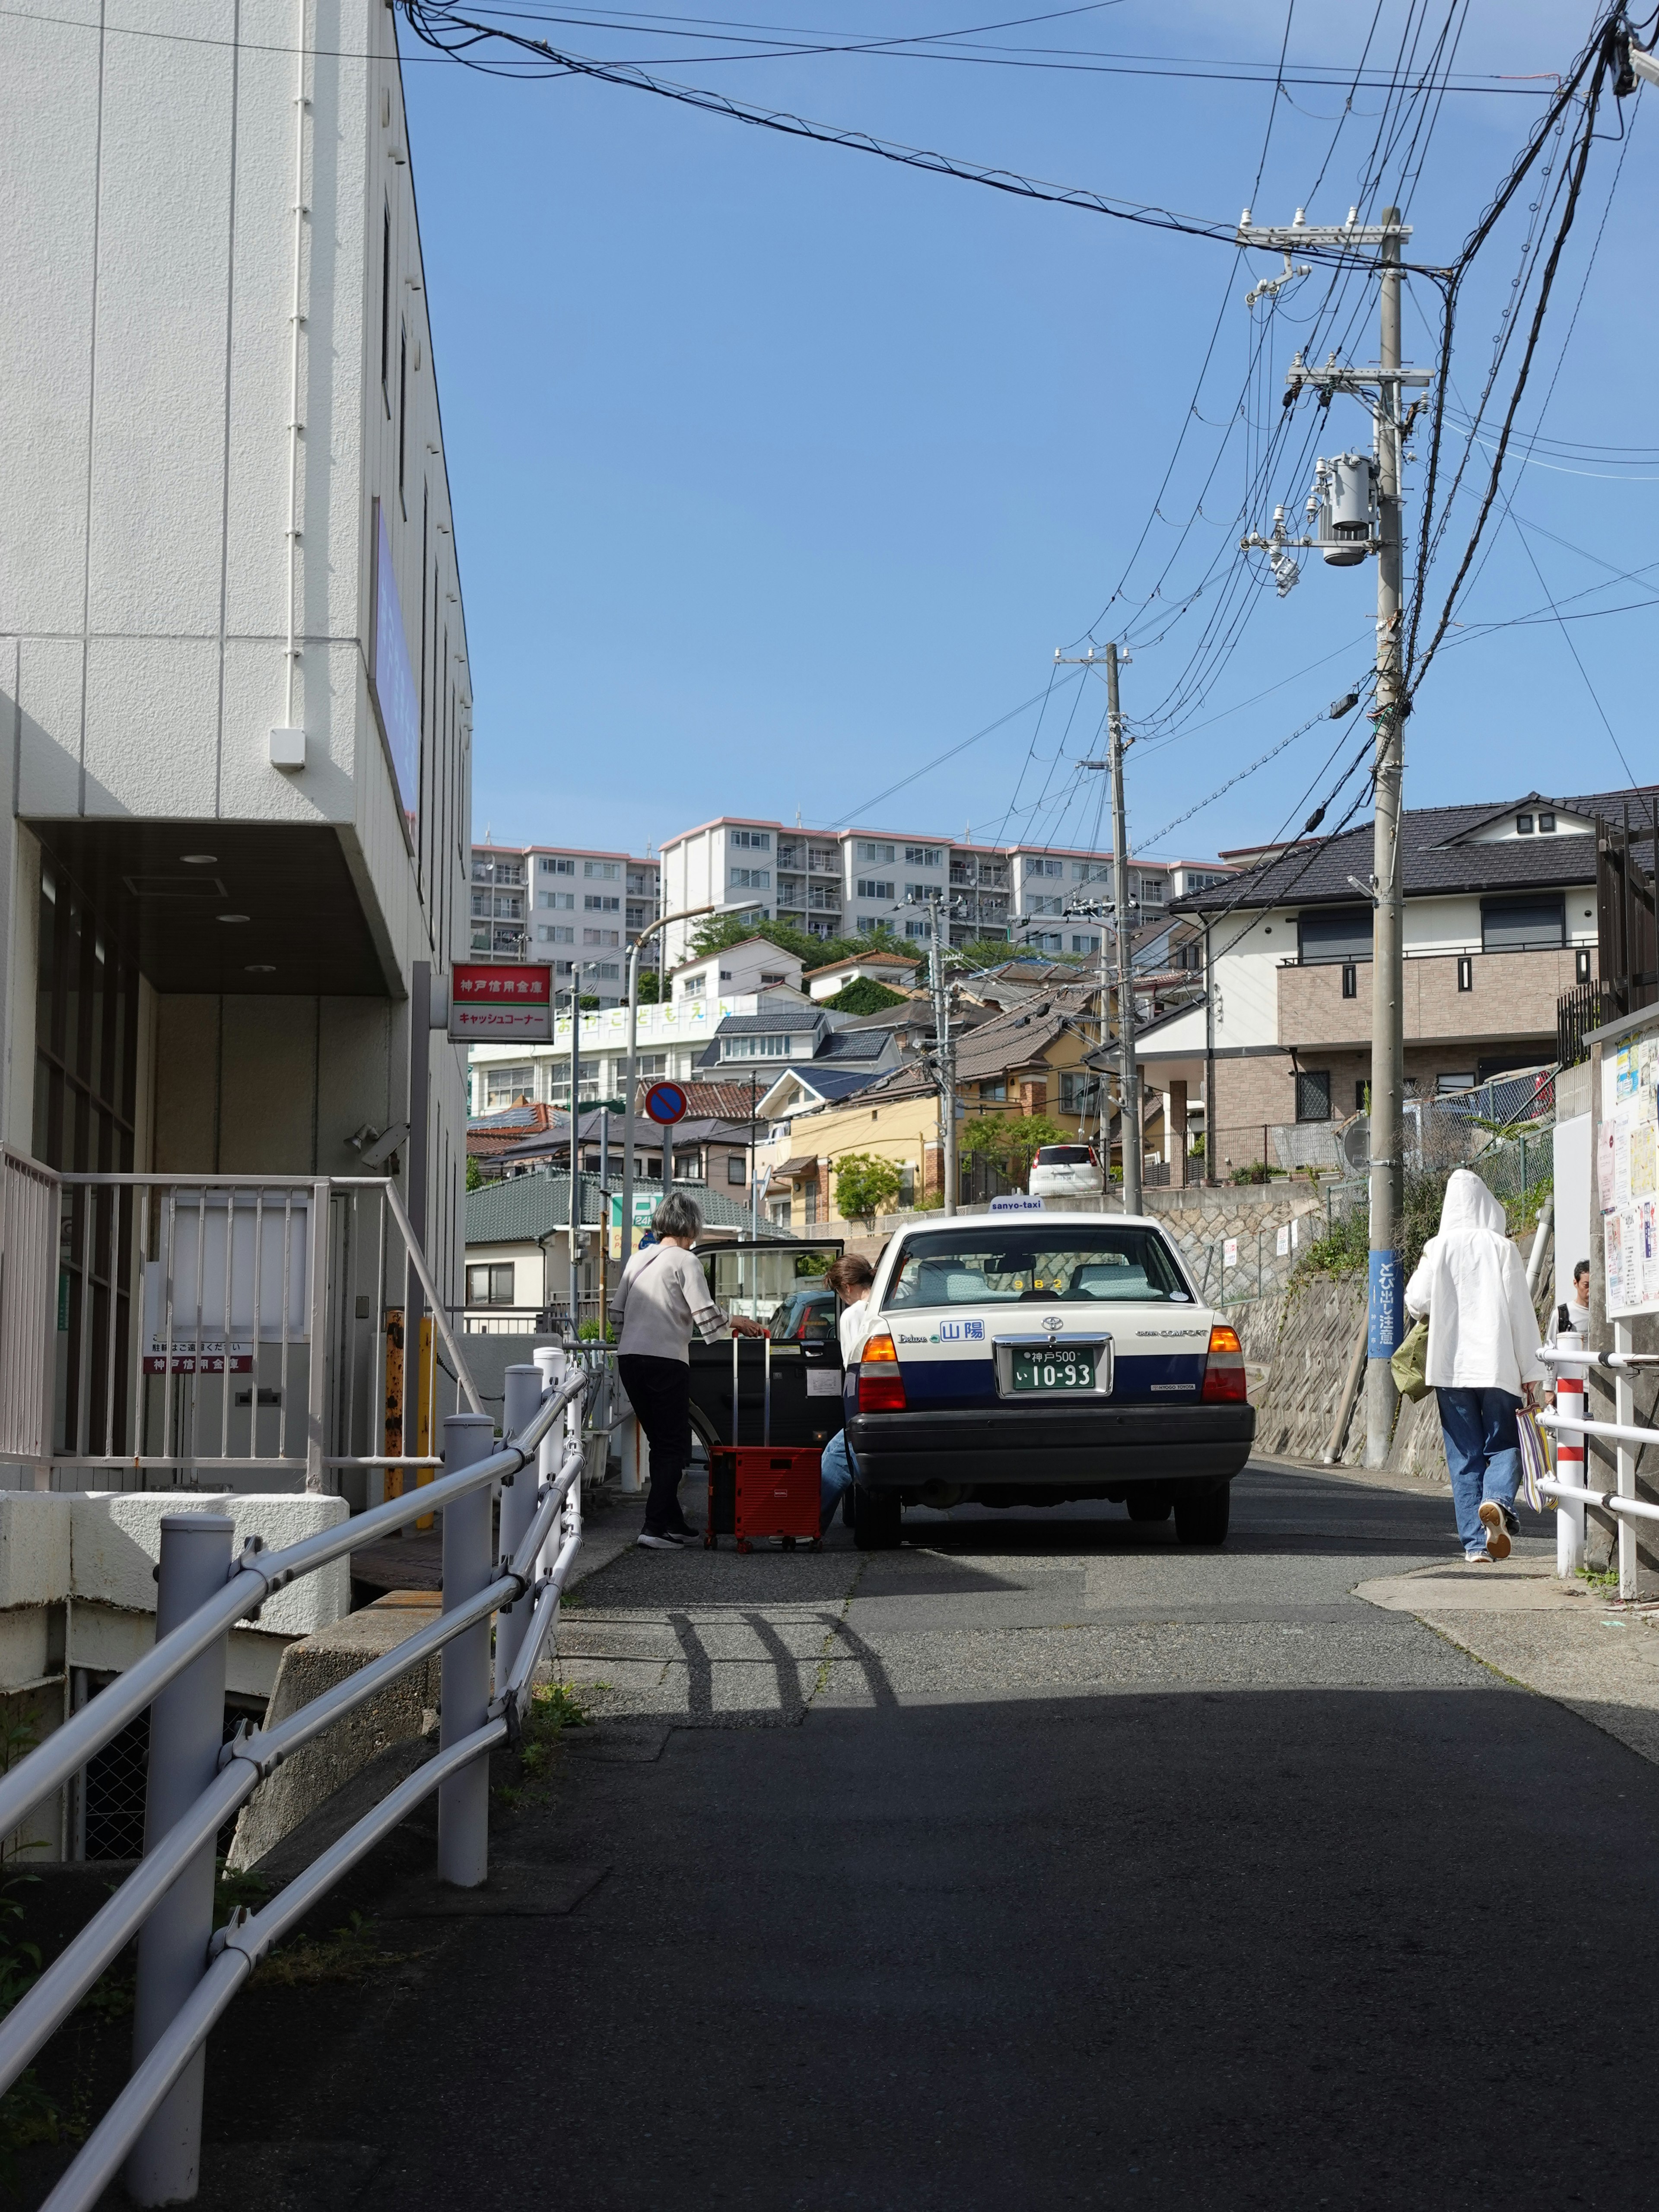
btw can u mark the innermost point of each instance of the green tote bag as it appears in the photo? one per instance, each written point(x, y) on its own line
point(1410, 1360)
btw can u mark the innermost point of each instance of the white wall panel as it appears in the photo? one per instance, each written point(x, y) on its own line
point(163, 271)
point(49, 84)
point(152, 718)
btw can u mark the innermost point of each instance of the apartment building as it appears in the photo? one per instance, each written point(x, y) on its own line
point(564, 906)
point(236, 679)
point(1500, 922)
point(855, 881)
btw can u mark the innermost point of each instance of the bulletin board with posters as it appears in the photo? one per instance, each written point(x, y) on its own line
point(1628, 1172)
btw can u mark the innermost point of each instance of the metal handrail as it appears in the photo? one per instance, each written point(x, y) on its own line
point(253, 1755)
point(258, 1575)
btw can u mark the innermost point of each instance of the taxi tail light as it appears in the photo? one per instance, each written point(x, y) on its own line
point(1224, 1370)
point(881, 1386)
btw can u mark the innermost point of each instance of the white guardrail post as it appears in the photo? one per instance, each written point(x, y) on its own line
point(464, 1799)
point(523, 1396)
point(1569, 1460)
point(551, 1360)
point(186, 1729)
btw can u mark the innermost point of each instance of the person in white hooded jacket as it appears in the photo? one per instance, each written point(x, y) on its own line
point(1482, 1359)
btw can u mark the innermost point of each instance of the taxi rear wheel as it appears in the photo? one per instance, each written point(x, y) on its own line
point(1203, 1519)
point(878, 1519)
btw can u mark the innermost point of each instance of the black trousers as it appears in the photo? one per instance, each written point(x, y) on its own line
point(660, 1391)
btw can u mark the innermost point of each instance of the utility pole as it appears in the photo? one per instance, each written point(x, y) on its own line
point(1387, 948)
point(947, 1060)
point(1129, 1082)
point(1354, 518)
point(1129, 1073)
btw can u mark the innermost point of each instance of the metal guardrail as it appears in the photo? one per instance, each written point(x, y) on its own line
point(216, 1323)
point(1570, 1425)
point(188, 1974)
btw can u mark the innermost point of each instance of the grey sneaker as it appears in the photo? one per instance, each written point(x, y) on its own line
point(649, 1541)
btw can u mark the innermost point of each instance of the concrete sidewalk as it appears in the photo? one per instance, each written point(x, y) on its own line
point(1566, 1640)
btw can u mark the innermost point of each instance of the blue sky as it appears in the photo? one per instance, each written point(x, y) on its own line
point(779, 470)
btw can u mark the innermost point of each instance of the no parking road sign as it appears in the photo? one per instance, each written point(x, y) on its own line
point(665, 1103)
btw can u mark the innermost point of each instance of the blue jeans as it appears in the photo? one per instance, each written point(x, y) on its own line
point(1483, 1454)
point(838, 1470)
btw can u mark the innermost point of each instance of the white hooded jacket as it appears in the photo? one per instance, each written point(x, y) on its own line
point(1483, 1335)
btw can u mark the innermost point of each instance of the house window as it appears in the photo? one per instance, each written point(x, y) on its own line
point(1334, 932)
point(922, 856)
point(1581, 965)
point(756, 879)
point(694, 987)
point(604, 871)
point(1042, 904)
point(1046, 940)
point(1522, 925)
point(1312, 1094)
point(753, 841)
point(602, 936)
point(777, 1212)
point(1546, 825)
point(918, 929)
point(872, 888)
point(491, 1285)
point(1080, 944)
point(1078, 1091)
point(1449, 1086)
point(1523, 825)
point(1035, 866)
point(1466, 973)
point(604, 971)
point(810, 1195)
point(503, 1084)
point(869, 849)
point(560, 901)
point(735, 1170)
point(994, 1093)
point(1091, 872)
point(756, 1048)
point(558, 867)
point(1349, 980)
point(554, 932)
point(598, 902)
point(1361, 1097)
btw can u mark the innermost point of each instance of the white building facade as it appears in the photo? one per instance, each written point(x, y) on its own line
point(853, 882)
point(565, 906)
point(234, 685)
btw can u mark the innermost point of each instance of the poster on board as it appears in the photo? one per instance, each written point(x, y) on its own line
point(1627, 1174)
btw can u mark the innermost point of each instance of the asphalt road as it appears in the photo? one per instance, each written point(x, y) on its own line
point(1040, 1863)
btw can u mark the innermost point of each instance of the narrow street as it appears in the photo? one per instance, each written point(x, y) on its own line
point(1039, 1862)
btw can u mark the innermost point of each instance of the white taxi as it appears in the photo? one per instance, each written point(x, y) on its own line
point(1038, 1359)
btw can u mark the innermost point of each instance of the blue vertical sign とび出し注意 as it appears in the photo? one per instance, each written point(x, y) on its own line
point(1387, 1306)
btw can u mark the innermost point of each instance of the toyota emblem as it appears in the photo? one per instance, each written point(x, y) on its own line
point(1053, 1321)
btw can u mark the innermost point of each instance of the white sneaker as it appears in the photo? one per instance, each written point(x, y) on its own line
point(648, 1541)
point(1498, 1536)
point(1482, 1559)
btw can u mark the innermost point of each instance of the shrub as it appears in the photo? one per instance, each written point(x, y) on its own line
point(866, 1186)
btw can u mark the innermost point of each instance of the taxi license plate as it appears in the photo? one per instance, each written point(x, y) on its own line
point(1069, 1370)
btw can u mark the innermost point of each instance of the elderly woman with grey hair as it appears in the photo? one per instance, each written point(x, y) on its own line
point(662, 1296)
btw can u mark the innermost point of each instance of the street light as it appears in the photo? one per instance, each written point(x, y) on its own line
point(685, 913)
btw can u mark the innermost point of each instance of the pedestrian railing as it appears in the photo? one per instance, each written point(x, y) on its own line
point(187, 1972)
point(218, 1323)
point(1568, 1422)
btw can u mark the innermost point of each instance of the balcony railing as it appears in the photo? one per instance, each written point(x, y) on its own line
point(154, 1327)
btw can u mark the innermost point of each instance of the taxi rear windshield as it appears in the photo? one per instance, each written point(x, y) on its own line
point(1063, 1156)
point(975, 1265)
